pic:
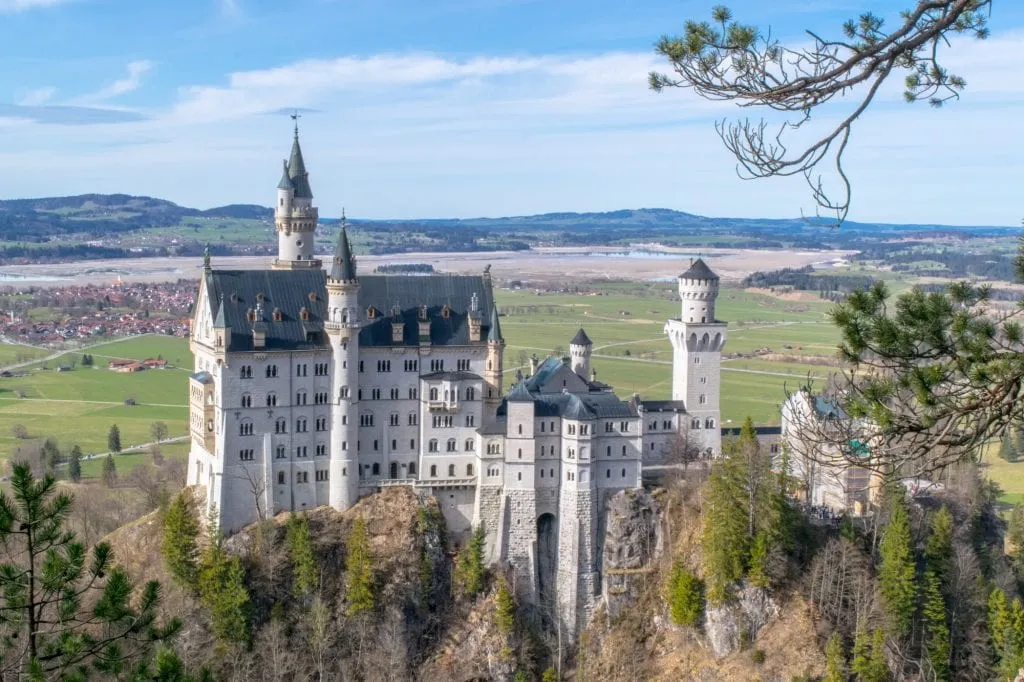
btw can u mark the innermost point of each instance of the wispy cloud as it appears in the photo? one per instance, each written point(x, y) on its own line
point(136, 70)
point(69, 115)
point(230, 9)
point(20, 5)
point(37, 97)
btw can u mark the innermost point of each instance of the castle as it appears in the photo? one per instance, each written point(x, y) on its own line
point(317, 385)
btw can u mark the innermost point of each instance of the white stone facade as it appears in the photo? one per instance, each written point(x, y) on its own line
point(315, 388)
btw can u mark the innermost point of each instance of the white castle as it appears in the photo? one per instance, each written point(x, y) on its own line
point(317, 387)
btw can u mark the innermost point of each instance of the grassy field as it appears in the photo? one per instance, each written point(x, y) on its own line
point(11, 353)
point(127, 461)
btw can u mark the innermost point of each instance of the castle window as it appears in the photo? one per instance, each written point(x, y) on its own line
point(246, 372)
point(433, 471)
point(303, 313)
point(542, 473)
point(246, 400)
point(433, 394)
point(470, 393)
point(393, 419)
point(623, 473)
point(519, 476)
point(260, 297)
point(469, 469)
point(709, 423)
point(551, 473)
point(432, 446)
point(376, 445)
point(624, 427)
point(359, 394)
point(470, 420)
point(277, 315)
point(376, 469)
point(462, 365)
point(451, 471)
point(300, 398)
point(250, 315)
point(245, 428)
point(375, 394)
point(469, 445)
point(246, 455)
point(703, 399)
point(280, 426)
point(366, 419)
point(520, 429)
point(520, 453)
point(414, 394)
point(280, 452)
point(623, 450)
point(371, 312)
point(694, 423)
point(383, 365)
point(412, 468)
point(703, 380)
point(414, 419)
point(394, 394)
point(280, 478)
point(412, 444)
point(300, 425)
point(321, 450)
point(445, 312)
point(271, 371)
point(394, 444)
point(542, 427)
point(607, 473)
point(451, 445)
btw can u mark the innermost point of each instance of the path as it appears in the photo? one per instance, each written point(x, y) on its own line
point(133, 448)
point(66, 351)
point(93, 402)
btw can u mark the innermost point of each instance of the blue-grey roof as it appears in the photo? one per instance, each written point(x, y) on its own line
point(581, 339)
point(218, 320)
point(203, 377)
point(663, 405)
point(452, 376)
point(544, 372)
point(494, 332)
point(343, 267)
point(828, 408)
point(698, 270)
point(384, 293)
point(297, 171)
point(287, 291)
point(519, 393)
point(576, 406)
point(494, 428)
point(286, 182)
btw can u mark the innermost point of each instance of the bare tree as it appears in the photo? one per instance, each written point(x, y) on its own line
point(728, 61)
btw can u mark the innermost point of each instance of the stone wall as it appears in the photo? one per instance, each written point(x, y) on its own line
point(521, 542)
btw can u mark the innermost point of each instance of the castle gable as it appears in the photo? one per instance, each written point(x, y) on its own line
point(290, 304)
point(448, 302)
point(554, 376)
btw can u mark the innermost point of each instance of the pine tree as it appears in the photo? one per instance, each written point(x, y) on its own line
point(179, 548)
point(726, 540)
point(51, 455)
point(109, 471)
point(114, 439)
point(860, 665)
point(550, 675)
point(469, 573)
point(64, 611)
point(1015, 535)
point(305, 574)
point(75, 464)
point(1006, 628)
point(221, 581)
point(896, 575)
point(835, 660)
point(757, 575)
point(936, 638)
point(686, 596)
point(1008, 447)
point(505, 610)
point(938, 549)
point(878, 668)
point(359, 571)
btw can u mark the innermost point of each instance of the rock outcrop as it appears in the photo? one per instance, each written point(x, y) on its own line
point(632, 541)
point(733, 626)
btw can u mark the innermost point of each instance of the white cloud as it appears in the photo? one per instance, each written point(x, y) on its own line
point(37, 97)
point(230, 9)
point(20, 5)
point(136, 70)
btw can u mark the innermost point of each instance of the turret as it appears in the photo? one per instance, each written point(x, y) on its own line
point(579, 350)
point(295, 217)
point(343, 333)
point(698, 290)
point(493, 375)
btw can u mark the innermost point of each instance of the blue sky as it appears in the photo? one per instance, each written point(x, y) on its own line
point(438, 108)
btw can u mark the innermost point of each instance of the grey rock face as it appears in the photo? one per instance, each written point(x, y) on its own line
point(632, 540)
point(734, 625)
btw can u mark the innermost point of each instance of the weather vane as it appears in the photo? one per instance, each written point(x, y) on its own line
point(295, 116)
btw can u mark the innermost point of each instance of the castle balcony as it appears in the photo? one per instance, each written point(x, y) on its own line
point(439, 405)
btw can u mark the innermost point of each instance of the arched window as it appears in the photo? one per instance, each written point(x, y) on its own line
point(271, 399)
point(376, 469)
point(432, 446)
point(469, 445)
point(703, 399)
point(452, 445)
point(412, 468)
point(433, 394)
point(280, 478)
point(470, 394)
point(433, 471)
point(281, 426)
point(520, 429)
point(469, 469)
point(245, 428)
point(451, 470)
point(246, 400)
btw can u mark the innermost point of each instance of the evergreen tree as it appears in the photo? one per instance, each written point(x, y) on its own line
point(305, 573)
point(860, 665)
point(109, 471)
point(1015, 534)
point(936, 638)
point(1006, 629)
point(179, 548)
point(221, 581)
point(835, 660)
point(686, 596)
point(469, 573)
point(75, 464)
point(550, 675)
point(938, 549)
point(359, 571)
point(878, 668)
point(1008, 447)
point(114, 439)
point(64, 612)
point(726, 540)
point(757, 575)
point(505, 610)
point(51, 454)
point(896, 575)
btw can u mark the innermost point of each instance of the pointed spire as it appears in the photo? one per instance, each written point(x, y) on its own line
point(218, 321)
point(494, 333)
point(344, 266)
point(581, 339)
point(297, 169)
point(286, 182)
point(206, 258)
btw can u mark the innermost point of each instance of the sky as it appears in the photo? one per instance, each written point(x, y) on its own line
point(465, 108)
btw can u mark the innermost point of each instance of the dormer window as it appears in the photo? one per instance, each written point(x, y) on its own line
point(423, 313)
point(396, 312)
point(371, 312)
point(234, 297)
point(303, 314)
point(277, 315)
point(313, 297)
point(446, 312)
point(251, 315)
point(260, 297)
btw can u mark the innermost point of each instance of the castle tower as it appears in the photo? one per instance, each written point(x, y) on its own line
point(579, 350)
point(295, 217)
point(494, 374)
point(697, 339)
point(343, 332)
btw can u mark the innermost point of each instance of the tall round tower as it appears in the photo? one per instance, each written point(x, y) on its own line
point(343, 332)
point(295, 217)
point(580, 349)
point(698, 290)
